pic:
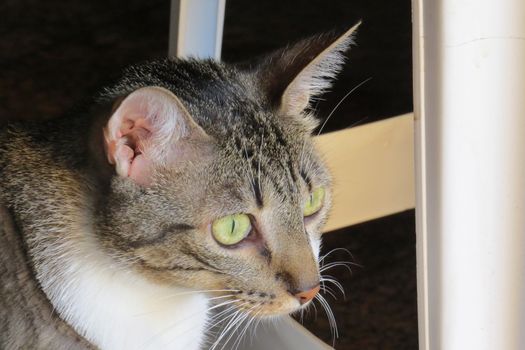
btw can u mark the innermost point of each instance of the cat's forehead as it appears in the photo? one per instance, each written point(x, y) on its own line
point(220, 97)
point(266, 162)
point(227, 103)
point(196, 82)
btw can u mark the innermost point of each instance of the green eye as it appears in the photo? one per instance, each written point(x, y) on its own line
point(231, 229)
point(314, 202)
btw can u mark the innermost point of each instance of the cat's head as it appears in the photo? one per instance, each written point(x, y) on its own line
point(217, 184)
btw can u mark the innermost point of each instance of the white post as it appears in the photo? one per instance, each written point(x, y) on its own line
point(469, 80)
point(196, 28)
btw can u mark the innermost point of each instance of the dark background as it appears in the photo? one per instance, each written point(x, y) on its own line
point(55, 53)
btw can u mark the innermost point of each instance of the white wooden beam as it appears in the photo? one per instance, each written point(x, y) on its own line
point(196, 28)
point(470, 122)
point(373, 170)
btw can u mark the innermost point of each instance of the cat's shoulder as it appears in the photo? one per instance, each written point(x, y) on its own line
point(27, 320)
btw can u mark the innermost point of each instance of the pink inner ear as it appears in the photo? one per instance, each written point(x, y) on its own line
point(141, 133)
point(125, 150)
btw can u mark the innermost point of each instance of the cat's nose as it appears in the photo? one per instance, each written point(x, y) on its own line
point(306, 295)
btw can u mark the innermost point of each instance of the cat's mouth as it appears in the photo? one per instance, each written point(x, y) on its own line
point(261, 304)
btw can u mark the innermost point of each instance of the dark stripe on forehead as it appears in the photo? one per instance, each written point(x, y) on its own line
point(274, 180)
point(279, 137)
point(253, 171)
point(279, 189)
point(291, 169)
point(265, 161)
point(306, 179)
point(257, 191)
point(285, 158)
point(282, 186)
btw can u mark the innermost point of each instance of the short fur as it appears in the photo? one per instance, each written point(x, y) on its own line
point(96, 259)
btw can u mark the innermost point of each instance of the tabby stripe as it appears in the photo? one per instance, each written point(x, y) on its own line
point(169, 268)
point(278, 188)
point(275, 181)
point(197, 258)
point(258, 195)
point(291, 169)
point(168, 231)
point(266, 253)
point(306, 179)
point(279, 135)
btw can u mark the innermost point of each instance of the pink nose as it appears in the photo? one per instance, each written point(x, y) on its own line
point(307, 295)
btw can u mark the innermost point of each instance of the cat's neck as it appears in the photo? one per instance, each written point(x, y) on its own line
point(115, 308)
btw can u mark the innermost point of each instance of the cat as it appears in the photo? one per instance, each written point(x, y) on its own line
point(185, 186)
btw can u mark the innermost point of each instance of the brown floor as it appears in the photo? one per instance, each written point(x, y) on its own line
point(55, 53)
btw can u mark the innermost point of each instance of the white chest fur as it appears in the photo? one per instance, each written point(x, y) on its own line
point(116, 310)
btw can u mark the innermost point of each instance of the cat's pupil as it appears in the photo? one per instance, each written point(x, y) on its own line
point(233, 226)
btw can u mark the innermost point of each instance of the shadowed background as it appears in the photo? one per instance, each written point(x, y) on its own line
point(53, 54)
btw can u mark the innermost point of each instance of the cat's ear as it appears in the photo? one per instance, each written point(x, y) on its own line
point(293, 76)
point(149, 128)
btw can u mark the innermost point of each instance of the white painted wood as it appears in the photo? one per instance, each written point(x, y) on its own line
point(282, 333)
point(470, 124)
point(196, 28)
point(373, 170)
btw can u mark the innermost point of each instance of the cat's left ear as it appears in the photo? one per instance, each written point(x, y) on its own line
point(293, 76)
point(151, 128)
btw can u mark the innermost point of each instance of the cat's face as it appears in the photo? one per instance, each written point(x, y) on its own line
point(218, 186)
point(237, 223)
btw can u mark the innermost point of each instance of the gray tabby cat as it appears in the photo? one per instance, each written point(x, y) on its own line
point(187, 185)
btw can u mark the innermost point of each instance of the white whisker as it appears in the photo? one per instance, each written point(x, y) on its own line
point(220, 318)
point(331, 317)
point(223, 331)
point(222, 296)
point(186, 319)
point(237, 342)
point(229, 325)
point(238, 324)
point(328, 290)
point(331, 279)
point(254, 328)
point(315, 310)
point(335, 250)
point(345, 264)
point(341, 101)
point(218, 315)
point(199, 291)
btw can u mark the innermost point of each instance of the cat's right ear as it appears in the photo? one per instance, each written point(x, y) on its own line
point(150, 128)
point(293, 76)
